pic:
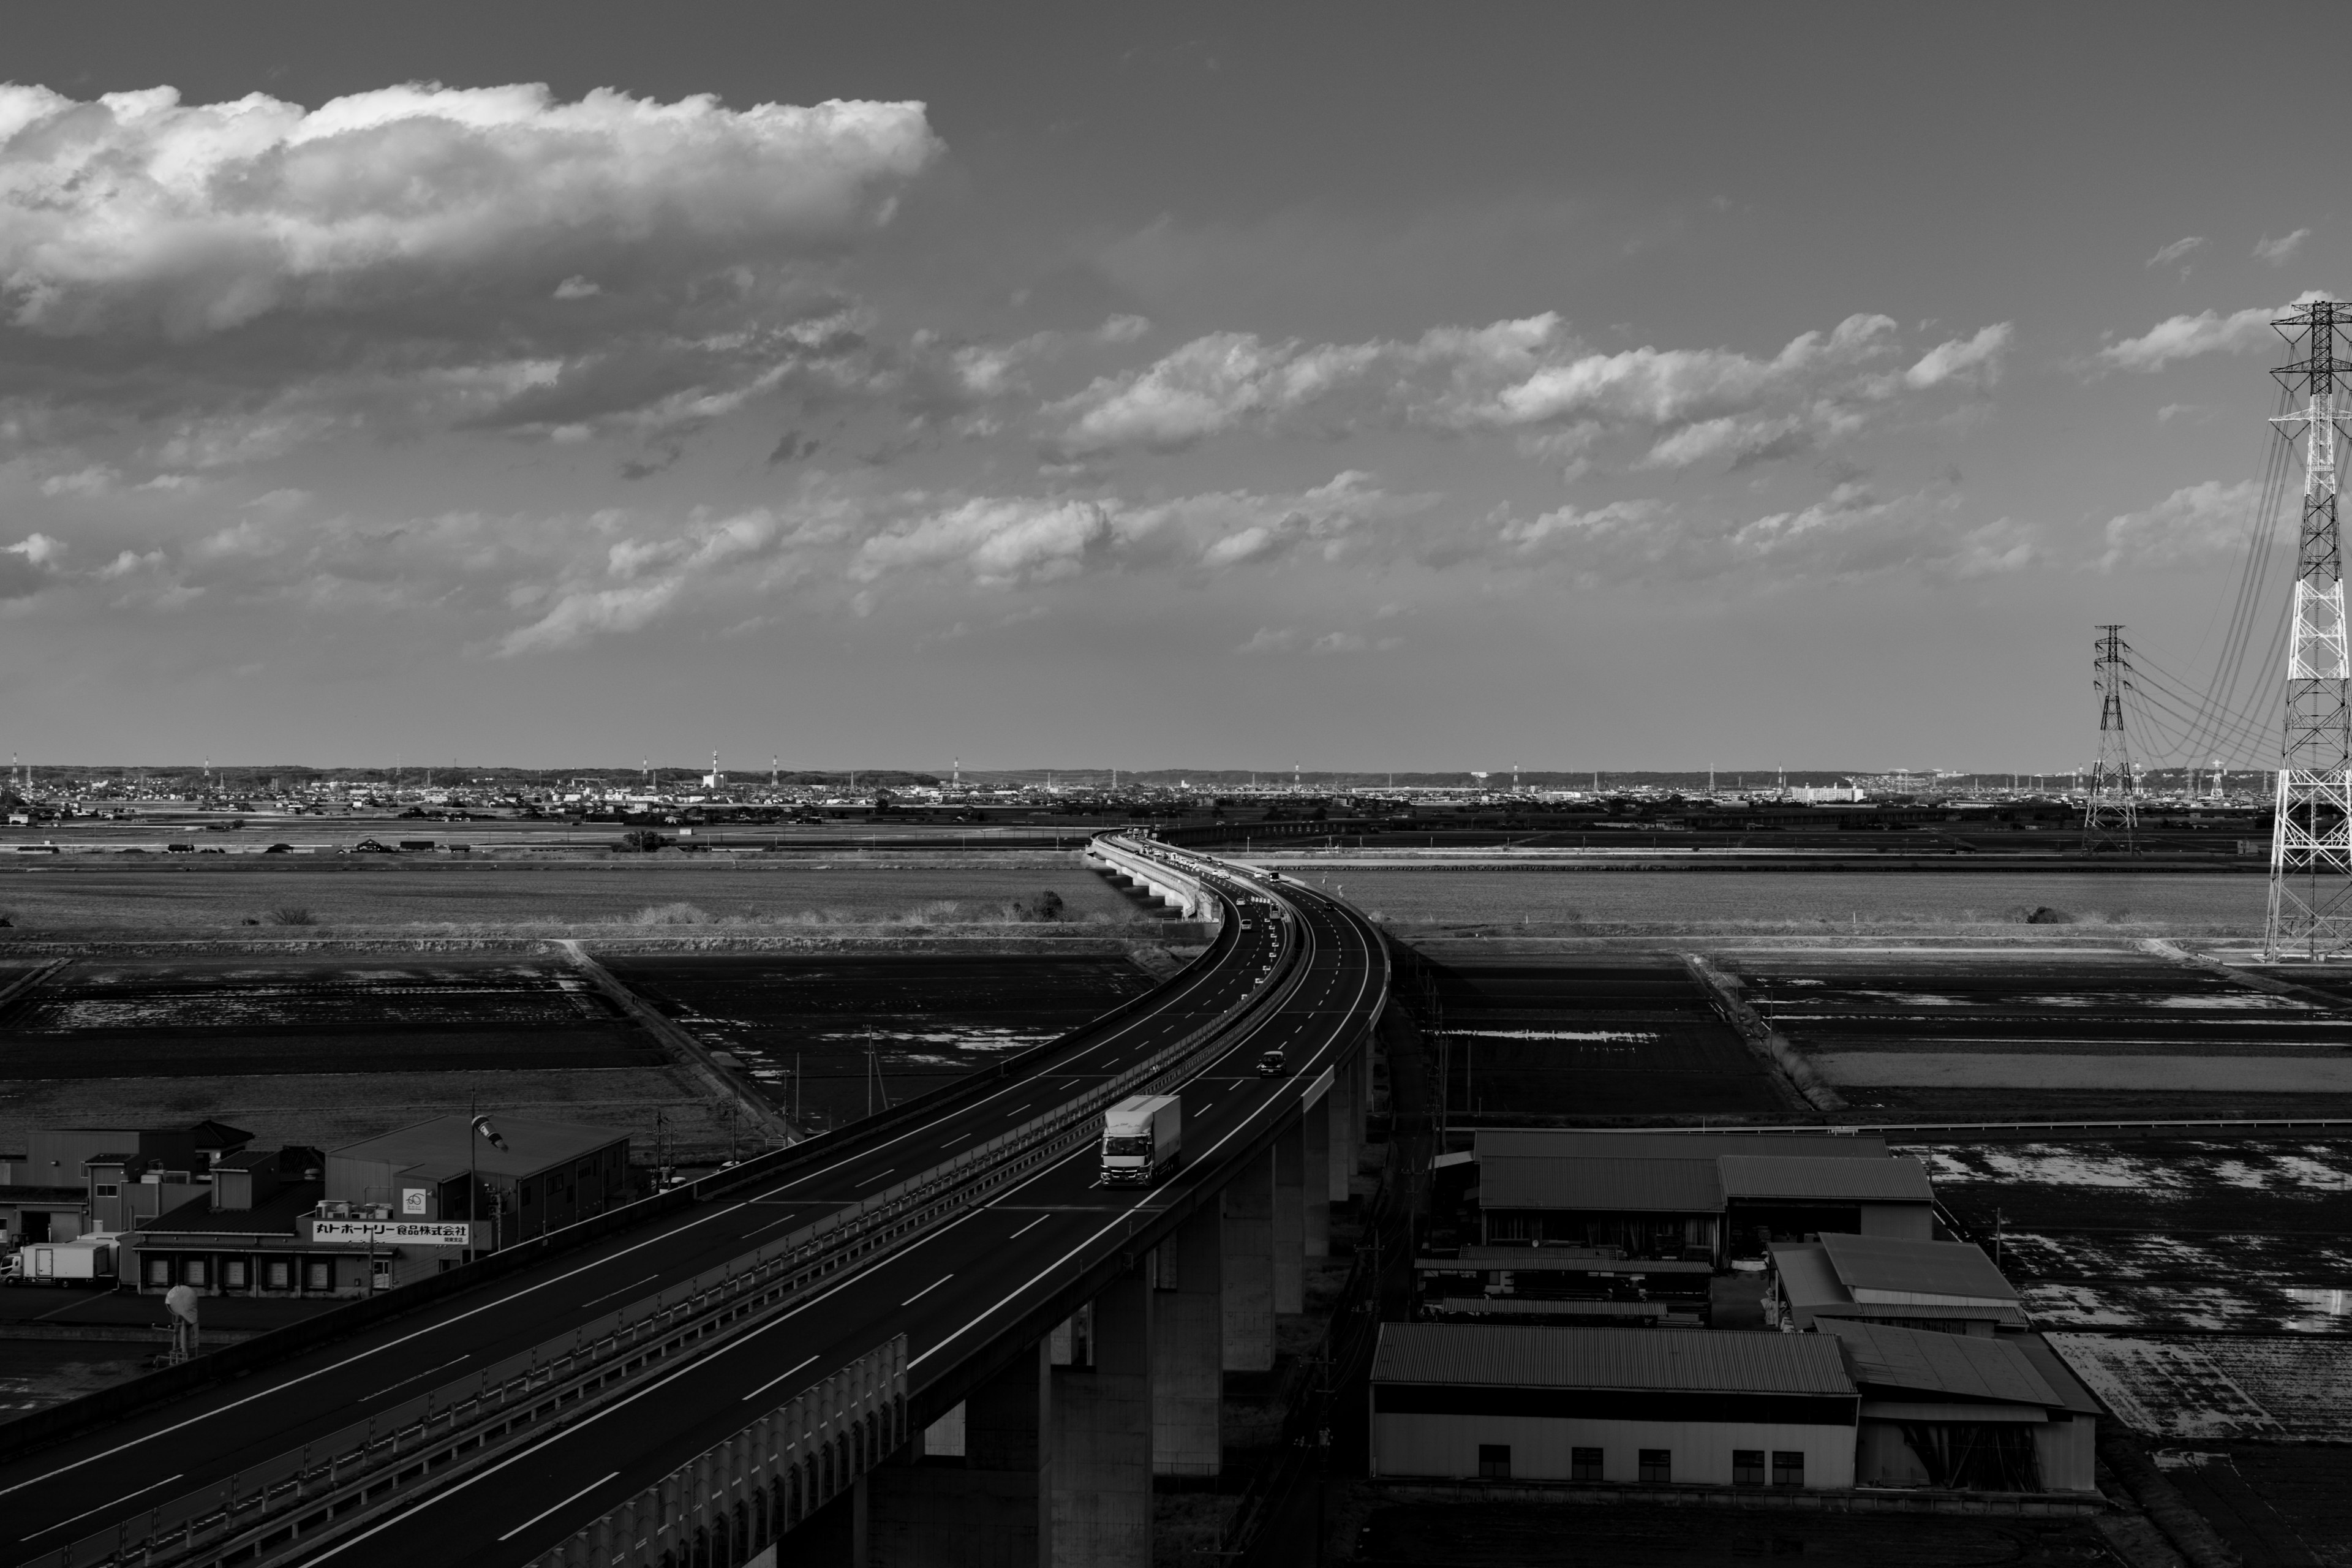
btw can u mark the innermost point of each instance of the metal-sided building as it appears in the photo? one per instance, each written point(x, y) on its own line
point(1950, 1287)
point(1603, 1405)
point(1968, 1413)
point(1697, 1196)
point(549, 1174)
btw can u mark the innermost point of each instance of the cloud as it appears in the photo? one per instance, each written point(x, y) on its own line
point(2282, 250)
point(2185, 337)
point(1528, 377)
point(646, 577)
point(1976, 358)
point(2206, 521)
point(137, 213)
point(28, 565)
point(2175, 251)
point(998, 542)
point(1850, 533)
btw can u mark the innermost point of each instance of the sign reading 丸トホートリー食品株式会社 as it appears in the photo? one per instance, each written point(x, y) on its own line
point(392, 1231)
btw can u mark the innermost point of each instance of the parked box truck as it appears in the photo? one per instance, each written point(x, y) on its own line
point(85, 1262)
point(1142, 1135)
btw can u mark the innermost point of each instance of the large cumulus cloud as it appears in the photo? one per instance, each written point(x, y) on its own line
point(137, 213)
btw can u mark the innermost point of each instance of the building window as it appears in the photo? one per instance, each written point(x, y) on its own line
point(1585, 1464)
point(318, 1275)
point(277, 1275)
point(107, 1190)
point(194, 1272)
point(232, 1275)
point(1657, 1464)
point(383, 1280)
point(1494, 1461)
point(1746, 1467)
point(1788, 1468)
point(158, 1271)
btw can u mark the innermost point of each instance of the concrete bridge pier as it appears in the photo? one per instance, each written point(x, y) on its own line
point(1249, 1267)
point(1346, 1127)
point(1103, 1429)
point(1290, 1219)
point(996, 1509)
point(1315, 1165)
point(1187, 1348)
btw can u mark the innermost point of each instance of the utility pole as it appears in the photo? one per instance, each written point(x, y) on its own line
point(2311, 833)
point(2110, 813)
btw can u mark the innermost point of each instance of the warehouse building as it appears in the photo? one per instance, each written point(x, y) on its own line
point(1860, 1404)
point(1694, 1197)
point(1598, 1404)
point(1967, 1413)
point(1950, 1287)
point(382, 1212)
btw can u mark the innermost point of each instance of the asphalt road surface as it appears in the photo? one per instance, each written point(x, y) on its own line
point(948, 1291)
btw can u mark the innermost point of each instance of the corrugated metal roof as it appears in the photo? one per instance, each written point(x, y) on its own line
point(1572, 1143)
point(1807, 1283)
point(1917, 1268)
point(1922, 1361)
point(1723, 1362)
point(1899, 1180)
point(1541, 1181)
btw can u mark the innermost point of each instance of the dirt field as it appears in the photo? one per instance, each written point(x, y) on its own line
point(929, 1018)
point(327, 1109)
point(1522, 1535)
point(190, 894)
point(1601, 902)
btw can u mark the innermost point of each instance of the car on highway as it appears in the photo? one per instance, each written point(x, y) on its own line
point(1273, 1064)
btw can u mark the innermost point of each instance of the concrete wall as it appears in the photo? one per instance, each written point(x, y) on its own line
point(1447, 1446)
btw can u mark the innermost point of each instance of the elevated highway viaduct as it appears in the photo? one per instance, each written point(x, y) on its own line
point(933, 1337)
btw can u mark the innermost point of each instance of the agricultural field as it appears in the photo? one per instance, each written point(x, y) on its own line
point(804, 1026)
point(1992, 905)
point(1930, 1036)
point(1584, 1039)
point(294, 897)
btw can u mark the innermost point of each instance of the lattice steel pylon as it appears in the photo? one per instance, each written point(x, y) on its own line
point(2311, 836)
point(2110, 810)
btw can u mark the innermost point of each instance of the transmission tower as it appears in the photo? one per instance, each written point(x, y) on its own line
point(2110, 813)
point(2311, 835)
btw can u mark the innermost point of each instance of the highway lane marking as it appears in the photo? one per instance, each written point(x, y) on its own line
point(753, 1394)
point(567, 1502)
point(405, 1381)
point(1026, 1229)
point(927, 1289)
point(698, 1365)
point(610, 1294)
point(101, 1508)
point(668, 1235)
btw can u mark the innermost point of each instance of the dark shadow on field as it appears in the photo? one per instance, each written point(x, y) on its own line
point(1574, 1037)
point(1525, 1536)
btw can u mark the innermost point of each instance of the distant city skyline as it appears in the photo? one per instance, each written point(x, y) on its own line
point(1186, 386)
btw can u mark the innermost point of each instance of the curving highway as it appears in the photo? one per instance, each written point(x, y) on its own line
point(1290, 970)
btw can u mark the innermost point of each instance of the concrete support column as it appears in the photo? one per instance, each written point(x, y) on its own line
point(1187, 1328)
point(996, 1509)
point(1290, 1220)
point(1248, 1202)
point(1345, 1128)
point(1315, 1147)
point(1102, 1434)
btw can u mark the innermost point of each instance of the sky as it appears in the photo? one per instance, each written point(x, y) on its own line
point(1361, 386)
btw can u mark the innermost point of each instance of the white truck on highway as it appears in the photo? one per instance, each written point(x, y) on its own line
point(1142, 1136)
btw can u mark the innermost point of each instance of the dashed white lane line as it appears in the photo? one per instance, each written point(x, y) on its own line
point(567, 1502)
point(927, 1289)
